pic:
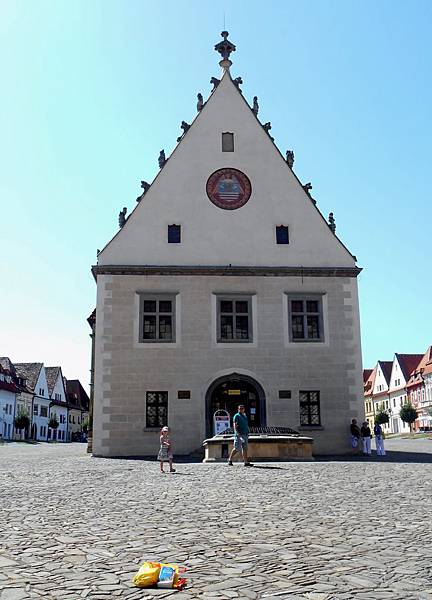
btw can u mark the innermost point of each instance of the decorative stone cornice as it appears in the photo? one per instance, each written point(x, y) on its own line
point(225, 271)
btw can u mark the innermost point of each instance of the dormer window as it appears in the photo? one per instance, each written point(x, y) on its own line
point(227, 142)
point(174, 234)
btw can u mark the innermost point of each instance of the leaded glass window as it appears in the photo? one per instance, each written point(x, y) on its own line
point(310, 408)
point(156, 409)
point(234, 320)
point(305, 318)
point(157, 322)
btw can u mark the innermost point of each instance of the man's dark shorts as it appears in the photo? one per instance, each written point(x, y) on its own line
point(241, 442)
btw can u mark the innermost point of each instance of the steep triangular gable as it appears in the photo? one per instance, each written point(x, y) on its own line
point(211, 235)
point(56, 383)
point(403, 365)
point(369, 376)
point(31, 372)
point(42, 384)
point(382, 379)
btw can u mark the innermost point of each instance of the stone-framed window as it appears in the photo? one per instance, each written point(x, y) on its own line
point(174, 234)
point(282, 234)
point(305, 318)
point(310, 412)
point(234, 319)
point(43, 411)
point(227, 142)
point(36, 409)
point(156, 409)
point(157, 318)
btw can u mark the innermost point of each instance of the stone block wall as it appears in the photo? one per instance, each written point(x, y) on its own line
point(125, 369)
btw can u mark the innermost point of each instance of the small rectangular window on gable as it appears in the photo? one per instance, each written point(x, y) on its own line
point(282, 236)
point(227, 142)
point(174, 234)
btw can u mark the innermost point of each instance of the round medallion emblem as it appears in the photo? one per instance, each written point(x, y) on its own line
point(228, 188)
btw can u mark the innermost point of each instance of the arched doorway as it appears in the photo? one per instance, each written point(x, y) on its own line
point(231, 390)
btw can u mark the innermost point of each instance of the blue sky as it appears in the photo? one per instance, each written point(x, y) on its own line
point(92, 90)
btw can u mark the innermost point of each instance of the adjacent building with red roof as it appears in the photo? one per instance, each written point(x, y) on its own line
point(403, 366)
point(391, 384)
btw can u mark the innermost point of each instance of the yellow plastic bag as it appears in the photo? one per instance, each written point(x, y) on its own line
point(147, 575)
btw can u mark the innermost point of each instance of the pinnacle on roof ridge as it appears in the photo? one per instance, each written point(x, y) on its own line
point(225, 48)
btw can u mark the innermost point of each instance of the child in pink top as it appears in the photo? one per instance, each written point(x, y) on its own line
point(165, 450)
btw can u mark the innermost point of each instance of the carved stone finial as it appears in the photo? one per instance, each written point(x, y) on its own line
point(215, 82)
point(332, 223)
point(238, 81)
point(97, 252)
point(225, 47)
point(255, 106)
point(161, 159)
point(185, 126)
point(122, 217)
point(307, 187)
point(200, 103)
point(145, 186)
point(290, 158)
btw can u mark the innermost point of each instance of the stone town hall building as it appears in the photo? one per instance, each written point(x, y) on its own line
point(225, 285)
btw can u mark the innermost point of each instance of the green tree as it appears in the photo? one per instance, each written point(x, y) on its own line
point(85, 425)
point(53, 423)
point(22, 420)
point(408, 414)
point(382, 416)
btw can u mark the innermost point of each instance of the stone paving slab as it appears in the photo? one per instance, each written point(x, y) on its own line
point(73, 527)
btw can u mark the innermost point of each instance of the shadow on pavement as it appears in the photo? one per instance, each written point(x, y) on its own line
point(392, 456)
point(255, 466)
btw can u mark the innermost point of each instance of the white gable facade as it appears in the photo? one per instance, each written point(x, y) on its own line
point(41, 408)
point(225, 314)
point(397, 398)
point(59, 409)
point(380, 393)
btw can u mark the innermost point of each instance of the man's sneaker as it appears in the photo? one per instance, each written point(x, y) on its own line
point(248, 464)
point(230, 463)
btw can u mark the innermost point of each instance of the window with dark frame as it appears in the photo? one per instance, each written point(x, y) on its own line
point(156, 409)
point(227, 142)
point(157, 319)
point(305, 318)
point(234, 320)
point(310, 413)
point(174, 234)
point(282, 236)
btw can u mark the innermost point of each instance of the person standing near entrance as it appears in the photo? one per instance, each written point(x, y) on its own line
point(355, 435)
point(241, 435)
point(379, 440)
point(366, 438)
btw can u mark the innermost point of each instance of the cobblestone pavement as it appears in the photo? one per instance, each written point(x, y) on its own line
point(74, 527)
